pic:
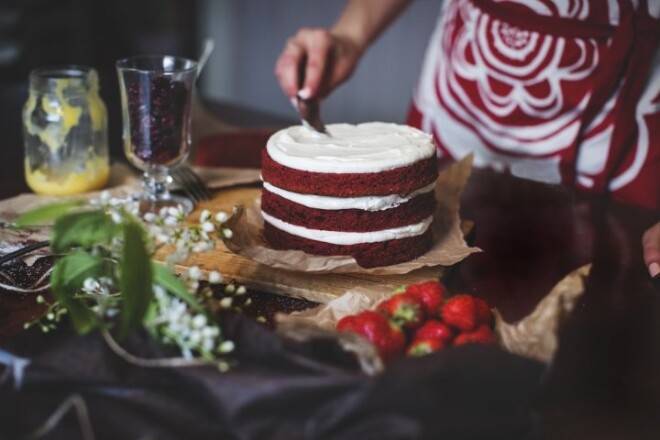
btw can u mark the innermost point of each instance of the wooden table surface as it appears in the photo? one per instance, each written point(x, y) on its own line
point(605, 379)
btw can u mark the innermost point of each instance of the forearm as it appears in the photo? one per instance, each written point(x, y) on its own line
point(364, 20)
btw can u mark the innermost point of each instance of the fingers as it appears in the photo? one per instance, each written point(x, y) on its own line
point(651, 247)
point(286, 68)
point(317, 61)
point(314, 48)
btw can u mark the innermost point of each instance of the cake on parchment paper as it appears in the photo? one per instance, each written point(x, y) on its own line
point(366, 190)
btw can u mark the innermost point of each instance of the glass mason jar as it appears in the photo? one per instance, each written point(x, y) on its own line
point(65, 132)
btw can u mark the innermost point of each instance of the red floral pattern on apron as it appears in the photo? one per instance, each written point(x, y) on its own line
point(549, 90)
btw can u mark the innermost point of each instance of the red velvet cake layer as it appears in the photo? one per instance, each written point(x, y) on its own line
point(383, 253)
point(349, 220)
point(401, 180)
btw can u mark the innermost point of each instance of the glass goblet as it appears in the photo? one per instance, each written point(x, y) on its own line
point(156, 96)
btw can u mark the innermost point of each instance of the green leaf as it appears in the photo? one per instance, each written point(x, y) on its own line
point(166, 279)
point(151, 314)
point(82, 229)
point(46, 214)
point(135, 279)
point(66, 280)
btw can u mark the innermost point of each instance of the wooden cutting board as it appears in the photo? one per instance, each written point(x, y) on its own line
point(253, 275)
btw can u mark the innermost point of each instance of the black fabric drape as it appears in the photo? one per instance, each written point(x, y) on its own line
point(279, 389)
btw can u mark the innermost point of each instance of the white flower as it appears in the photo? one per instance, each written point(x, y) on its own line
point(182, 245)
point(149, 217)
point(221, 217)
point(228, 233)
point(193, 234)
point(210, 332)
point(176, 257)
point(201, 247)
point(223, 367)
point(205, 216)
point(159, 292)
point(171, 221)
point(208, 227)
point(90, 285)
point(226, 302)
point(215, 277)
point(194, 273)
point(226, 347)
point(155, 230)
point(199, 321)
point(104, 286)
point(132, 207)
point(207, 344)
point(195, 337)
point(116, 217)
point(173, 211)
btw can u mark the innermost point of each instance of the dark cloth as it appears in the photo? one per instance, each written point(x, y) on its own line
point(279, 389)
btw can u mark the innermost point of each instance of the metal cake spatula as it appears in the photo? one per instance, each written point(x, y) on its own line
point(309, 108)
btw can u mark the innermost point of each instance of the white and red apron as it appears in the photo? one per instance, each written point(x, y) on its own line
point(552, 90)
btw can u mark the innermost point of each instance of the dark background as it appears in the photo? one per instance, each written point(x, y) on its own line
point(38, 33)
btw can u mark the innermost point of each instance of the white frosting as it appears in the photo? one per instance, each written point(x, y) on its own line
point(365, 148)
point(369, 203)
point(347, 238)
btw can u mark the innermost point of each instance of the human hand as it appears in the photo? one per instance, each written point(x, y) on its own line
point(651, 246)
point(330, 60)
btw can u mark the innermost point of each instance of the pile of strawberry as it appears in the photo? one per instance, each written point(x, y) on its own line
point(421, 319)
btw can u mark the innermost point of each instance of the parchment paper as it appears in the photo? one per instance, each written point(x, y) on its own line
point(534, 337)
point(449, 247)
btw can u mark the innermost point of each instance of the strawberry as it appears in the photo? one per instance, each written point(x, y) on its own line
point(403, 310)
point(484, 314)
point(346, 323)
point(429, 293)
point(481, 335)
point(388, 339)
point(460, 312)
point(434, 329)
point(422, 346)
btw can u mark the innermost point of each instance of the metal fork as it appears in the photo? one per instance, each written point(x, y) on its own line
point(191, 184)
point(24, 250)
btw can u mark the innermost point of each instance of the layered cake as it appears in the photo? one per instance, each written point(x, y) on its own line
point(366, 191)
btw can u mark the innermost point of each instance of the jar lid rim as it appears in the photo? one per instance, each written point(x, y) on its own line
point(70, 71)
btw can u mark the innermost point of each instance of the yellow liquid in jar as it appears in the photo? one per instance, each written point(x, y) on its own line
point(94, 176)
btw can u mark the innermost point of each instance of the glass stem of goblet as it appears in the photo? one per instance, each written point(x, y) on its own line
point(156, 182)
